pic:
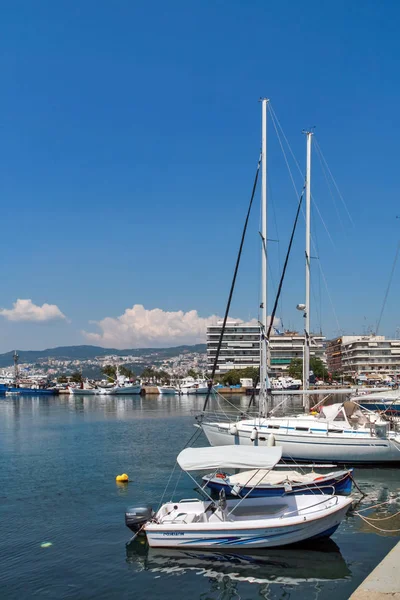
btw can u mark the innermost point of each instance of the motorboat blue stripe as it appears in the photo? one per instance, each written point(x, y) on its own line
point(234, 539)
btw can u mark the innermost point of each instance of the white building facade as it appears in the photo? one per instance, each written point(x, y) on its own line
point(370, 355)
point(241, 348)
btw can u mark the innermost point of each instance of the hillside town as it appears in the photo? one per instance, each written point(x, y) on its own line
point(48, 368)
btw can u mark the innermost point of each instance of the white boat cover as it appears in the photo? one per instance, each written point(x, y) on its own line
point(229, 457)
point(257, 477)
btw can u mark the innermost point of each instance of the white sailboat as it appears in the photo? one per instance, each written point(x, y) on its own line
point(339, 433)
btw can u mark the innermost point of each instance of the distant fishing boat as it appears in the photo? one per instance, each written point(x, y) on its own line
point(83, 391)
point(167, 390)
point(34, 390)
point(123, 390)
point(189, 385)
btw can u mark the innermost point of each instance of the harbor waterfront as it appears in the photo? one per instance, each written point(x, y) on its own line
point(62, 511)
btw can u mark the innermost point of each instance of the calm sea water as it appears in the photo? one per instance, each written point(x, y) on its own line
point(58, 462)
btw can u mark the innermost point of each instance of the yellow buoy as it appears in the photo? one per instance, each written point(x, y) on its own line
point(124, 478)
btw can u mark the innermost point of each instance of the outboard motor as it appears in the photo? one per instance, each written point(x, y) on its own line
point(137, 516)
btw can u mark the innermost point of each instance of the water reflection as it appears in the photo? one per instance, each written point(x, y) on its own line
point(313, 562)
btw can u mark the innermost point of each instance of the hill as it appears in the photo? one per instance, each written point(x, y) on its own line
point(90, 352)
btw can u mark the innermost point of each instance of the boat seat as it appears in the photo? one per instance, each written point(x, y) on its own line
point(199, 518)
point(179, 518)
point(261, 511)
point(218, 516)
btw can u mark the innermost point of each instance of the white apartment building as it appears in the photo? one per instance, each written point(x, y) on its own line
point(241, 348)
point(370, 354)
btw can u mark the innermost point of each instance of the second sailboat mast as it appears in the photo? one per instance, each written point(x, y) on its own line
point(306, 366)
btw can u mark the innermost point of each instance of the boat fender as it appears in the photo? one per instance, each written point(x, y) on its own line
point(122, 478)
point(254, 434)
point(233, 429)
point(271, 440)
point(235, 491)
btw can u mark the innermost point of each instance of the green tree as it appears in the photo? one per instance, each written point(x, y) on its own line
point(149, 373)
point(62, 379)
point(126, 372)
point(192, 373)
point(110, 371)
point(316, 365)
point(163, 377)
point(234, 376)
point(76, 377)
point(231, 377)
point(296, 368)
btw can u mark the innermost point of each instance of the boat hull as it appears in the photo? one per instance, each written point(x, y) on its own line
point(126, 391)
point(347, 449)
point(167, 391)
point(389, 408)
point(264, 534)
point(341, 484)
point(25, 391)
point(82, 392)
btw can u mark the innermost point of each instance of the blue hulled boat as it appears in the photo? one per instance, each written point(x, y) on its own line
point(29, 391)
point(262, 483)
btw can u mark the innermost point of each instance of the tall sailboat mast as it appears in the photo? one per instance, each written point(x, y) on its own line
point(306, 362)
point(264, 276)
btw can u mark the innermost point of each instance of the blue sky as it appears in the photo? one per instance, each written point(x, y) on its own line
point(129, 136)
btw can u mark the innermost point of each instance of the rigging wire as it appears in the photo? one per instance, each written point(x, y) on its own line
point(388, 287)
point(273, 115)
point(334, 181)
point(285, 266)
point(272, 317)
point(328, 185)
point(275, 119)
point(232, 285)
point(278, 243)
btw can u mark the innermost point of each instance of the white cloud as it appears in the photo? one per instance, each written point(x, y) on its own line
point(25, 310)
point(139, 327)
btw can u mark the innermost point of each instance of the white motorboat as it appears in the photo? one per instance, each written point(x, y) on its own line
point(167, 390)
point(189, 385)
point(122, 390)
point(286, 383)
point(245, 522)
point(340, 433)
point(85, 391)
